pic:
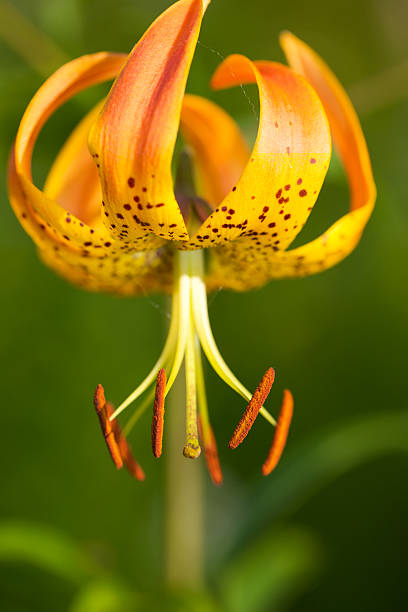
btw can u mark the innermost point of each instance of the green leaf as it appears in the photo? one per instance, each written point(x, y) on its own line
point(45, 548)
point(105, 596)
point(270, 572)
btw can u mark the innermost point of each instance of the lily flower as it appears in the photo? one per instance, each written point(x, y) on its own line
point(108, 218)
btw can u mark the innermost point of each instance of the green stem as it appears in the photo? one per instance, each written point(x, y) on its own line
point(184, 499)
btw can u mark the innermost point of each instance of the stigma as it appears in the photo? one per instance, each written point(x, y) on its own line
point(188, 336)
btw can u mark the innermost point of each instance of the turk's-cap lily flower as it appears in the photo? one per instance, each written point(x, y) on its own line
point(108, 217)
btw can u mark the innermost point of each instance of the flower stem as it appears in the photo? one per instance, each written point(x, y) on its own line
point(184, 499)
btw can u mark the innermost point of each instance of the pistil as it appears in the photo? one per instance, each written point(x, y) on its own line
point(205, 429)
point(202, 324)
point(192, 448)
point(189, 331)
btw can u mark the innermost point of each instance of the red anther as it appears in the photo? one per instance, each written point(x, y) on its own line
point(211, 454)
point(130, 462)
point(158, 414)
point(107, 427)
point(251, 411)
point(281, 434)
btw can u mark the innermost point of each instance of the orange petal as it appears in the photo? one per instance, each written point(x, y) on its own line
point(347, 134)
point(73, 180)
point(220, 152)
point(276, 192)
point(87, 256)
point(343, 236)
point(281, 434)
point(103, 269)
point(30, 204)
point(63, 84)
point(135, 134)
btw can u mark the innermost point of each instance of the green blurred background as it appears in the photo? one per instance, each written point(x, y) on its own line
point(328, 530)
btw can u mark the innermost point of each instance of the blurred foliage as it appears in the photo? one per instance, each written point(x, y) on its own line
point(328, 529)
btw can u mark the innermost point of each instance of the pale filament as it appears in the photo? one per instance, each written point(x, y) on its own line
point(189, 323)
point(168, 350)
point(202, 324)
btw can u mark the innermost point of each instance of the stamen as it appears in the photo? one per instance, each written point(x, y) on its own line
point(211, 453)
point(281, 434)
point(200, 311)
point(183, 310)
point(192, 448)
point(254, 406)
point(107, 427)
point(158, 414)
point(205, 429)
point(130, 462)
point(168, 349)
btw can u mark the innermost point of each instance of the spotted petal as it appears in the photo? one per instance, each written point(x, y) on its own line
point(73, 179)
point(85, 255)
point(271, 201)
point(98, 269)
point(134, 137)
point(343, 236)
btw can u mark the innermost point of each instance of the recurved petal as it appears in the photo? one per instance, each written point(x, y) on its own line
point(105, 269)
point(134, 136)
point(271, 201)
point(219, 149)
point(73, 179)
point(342, 237)
point(347, 134)
point(63, 84)
point(85, 255)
